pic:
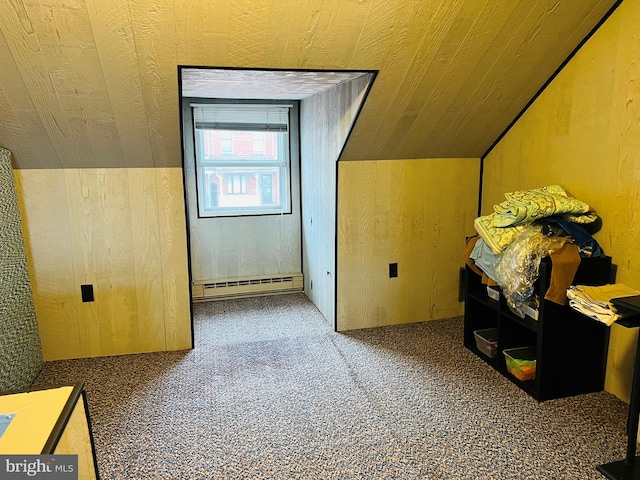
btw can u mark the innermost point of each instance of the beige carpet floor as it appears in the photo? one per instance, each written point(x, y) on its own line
point(272, 392)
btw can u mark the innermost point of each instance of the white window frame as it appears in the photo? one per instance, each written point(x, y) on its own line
point(203, 119)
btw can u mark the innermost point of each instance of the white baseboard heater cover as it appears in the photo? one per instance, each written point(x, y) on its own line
point(247, 287)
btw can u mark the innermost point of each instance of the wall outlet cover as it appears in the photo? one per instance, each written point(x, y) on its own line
point(393, 270)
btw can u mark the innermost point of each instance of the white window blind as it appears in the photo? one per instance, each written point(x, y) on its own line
point(240, 117)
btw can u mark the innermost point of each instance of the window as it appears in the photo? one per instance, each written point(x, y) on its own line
point(237, 184)
point(227, 142)
point(242, 159)
point(258, 144)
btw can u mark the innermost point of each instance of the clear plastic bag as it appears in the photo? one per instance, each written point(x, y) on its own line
point(519, 265)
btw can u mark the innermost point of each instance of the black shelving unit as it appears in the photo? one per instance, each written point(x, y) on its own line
point(571, 348)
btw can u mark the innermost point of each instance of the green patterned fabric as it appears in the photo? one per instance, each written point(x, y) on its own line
point(498, 238)
point(20, 348)
point(526, 206)
point(522, 208)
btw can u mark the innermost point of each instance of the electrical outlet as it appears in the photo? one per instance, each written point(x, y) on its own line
point(393, 270)
point(87, 293)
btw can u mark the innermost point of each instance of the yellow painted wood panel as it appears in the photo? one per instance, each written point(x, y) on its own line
point(462, 72)
point(173, 255)
point(416, 213)
point(443, 91)
point(75, 440)
point(356, 243)
point(147, 258)
point(413, 48)
point(459, 41)
point(333, 33)
point(115, 46)
point(583, 133)
point(153, 25)
point(190, 19)
point(101, 85)
point(46, 225)
point(121, 230)
point(75, 74)
point(21, 129)
point(384, 30)
point(247, 31)
point(216, 42)
point(529, 32)
point(18, 24)
point(101, 237)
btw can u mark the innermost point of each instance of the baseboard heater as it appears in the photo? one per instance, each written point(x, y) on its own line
point(246, 287)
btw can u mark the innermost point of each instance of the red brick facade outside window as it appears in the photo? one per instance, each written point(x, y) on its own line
point(226, 185)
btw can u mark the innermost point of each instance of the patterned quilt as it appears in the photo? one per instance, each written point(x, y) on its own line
point(524, 207)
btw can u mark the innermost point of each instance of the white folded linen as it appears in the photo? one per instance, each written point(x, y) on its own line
point(595, 302)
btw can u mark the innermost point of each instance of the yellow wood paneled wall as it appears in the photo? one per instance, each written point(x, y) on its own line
point(584, 132)
point(416, 213)
point(122, 230)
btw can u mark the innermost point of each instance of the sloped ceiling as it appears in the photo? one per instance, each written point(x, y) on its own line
point(94, 83)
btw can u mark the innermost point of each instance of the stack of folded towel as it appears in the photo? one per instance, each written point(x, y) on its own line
point(595, 302)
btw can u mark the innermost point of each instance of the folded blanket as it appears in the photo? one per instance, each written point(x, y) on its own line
point(498, 238)
point(595, 302)
point(523, 207)
point(526, 206)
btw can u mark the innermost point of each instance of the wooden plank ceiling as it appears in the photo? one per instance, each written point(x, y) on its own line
point(94, 83)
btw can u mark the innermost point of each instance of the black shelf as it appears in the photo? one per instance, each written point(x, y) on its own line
point(571, 349)
point(527, 322)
